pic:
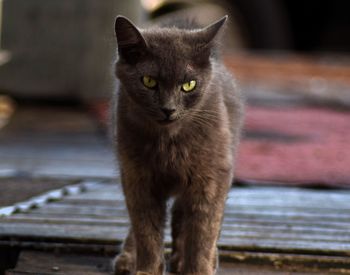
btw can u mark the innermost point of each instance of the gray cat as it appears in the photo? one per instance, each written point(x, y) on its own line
point(177, 118)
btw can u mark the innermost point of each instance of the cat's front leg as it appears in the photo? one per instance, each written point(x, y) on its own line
point(177, 231)
point(204, 204)
point(147, 214)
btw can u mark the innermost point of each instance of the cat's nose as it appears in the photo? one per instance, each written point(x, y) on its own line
point(168, 111)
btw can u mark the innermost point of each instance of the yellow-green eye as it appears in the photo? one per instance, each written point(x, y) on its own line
point(189, 86)
point(149, 82)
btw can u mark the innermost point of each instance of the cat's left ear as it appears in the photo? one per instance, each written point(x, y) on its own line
point(131, 44)
point(207, 35)
point(205, 41)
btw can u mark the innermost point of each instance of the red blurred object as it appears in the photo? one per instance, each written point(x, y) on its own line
point(100, 110)
point(299, 145)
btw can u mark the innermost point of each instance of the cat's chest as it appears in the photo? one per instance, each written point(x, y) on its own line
point(168, 154)
point(162, 155)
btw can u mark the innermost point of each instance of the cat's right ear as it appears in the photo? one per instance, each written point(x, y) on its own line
point(131, 44)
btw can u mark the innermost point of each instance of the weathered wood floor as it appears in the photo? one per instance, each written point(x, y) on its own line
point(40, 263)
point(262, 224)
point(256, 218)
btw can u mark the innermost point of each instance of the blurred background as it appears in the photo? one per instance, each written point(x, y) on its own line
point(291, 59)
point(64, 48)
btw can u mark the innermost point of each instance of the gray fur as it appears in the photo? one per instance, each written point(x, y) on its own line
point(188, 155)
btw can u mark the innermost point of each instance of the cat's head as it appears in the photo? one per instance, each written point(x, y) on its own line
point(165, 71)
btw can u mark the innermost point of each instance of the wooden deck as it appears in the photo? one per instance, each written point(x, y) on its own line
point(286, 220)
point(275, 226)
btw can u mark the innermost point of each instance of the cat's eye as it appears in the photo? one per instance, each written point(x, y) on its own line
point(149, 82)
point(189, 86)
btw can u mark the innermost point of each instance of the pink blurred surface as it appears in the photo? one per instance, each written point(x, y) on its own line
point(303, 145)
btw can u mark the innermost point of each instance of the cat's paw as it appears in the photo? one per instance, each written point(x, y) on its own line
point(123, 264)
point(174, 264)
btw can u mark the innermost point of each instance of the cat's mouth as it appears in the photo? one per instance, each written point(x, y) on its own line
point(166, 121)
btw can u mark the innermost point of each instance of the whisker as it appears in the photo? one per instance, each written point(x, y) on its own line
point(206, 116)
point(201, 120)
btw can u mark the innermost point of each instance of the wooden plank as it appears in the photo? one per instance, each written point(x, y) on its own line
point(113, 234)
point(302, 200)
point(46, 167)
point(280, 221)
point(105, 216)
point(117, 200)
point(273, 214)
point(72, 232)
point(97, 202)
point(106, 193)
point(261, 197)
point(245, 221)
point(228, 230)
point(227, 226)
point(39, 263)
point(285, 263)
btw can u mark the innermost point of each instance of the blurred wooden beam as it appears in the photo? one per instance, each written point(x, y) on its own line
point(319, 78)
